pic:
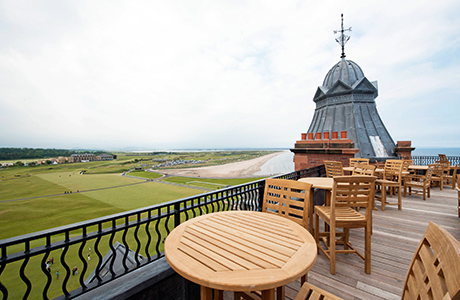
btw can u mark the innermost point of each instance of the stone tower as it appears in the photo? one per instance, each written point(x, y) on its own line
point(346, 102)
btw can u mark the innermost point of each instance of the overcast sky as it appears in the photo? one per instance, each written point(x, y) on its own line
point(218, 74)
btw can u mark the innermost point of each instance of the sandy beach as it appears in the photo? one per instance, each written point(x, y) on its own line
point(247, 168)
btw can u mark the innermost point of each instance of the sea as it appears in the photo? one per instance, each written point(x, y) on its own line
point(282, 163)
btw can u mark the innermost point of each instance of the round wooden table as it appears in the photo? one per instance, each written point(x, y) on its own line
point(240, 251)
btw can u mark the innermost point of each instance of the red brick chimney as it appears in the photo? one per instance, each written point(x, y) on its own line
point(313, 152)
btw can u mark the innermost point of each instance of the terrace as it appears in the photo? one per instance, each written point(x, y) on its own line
point(145, 272)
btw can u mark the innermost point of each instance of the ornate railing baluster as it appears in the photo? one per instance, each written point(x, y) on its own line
point(3, 288)
point(136, 237)
point(65, 265)
point(125, 243)
point(149, 236)
point(47, 272)
point(82, 258)
point(22, 270)
point(114, 251)
point(98, 253)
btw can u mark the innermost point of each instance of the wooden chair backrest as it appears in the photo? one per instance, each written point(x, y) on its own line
point(443, 158)
point(393, 170)
point(407, 163)
point(434, 272)
point(287, 198)
point(438, 169)
point(333, 168)
point(365, 170)
point(354, 161)
point(354, 192)
point(428, 174)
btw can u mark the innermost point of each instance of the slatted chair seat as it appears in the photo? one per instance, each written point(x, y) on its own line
point(344, 215)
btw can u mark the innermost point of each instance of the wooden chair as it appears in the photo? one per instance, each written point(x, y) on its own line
point(348, 193)
point(421, 183)
point(437, 179)
point(287, 198)
point(333, 168)
point(392, 180)
point(354, 161)
point(451, 177)
point(363, 169)
point(433, 273)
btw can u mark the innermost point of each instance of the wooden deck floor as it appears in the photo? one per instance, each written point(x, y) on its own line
point(396, 235)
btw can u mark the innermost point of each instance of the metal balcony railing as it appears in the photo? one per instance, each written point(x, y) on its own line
point(426, 160)
point(26, 260)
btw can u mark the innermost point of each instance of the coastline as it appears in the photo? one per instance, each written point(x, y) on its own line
point(247, 168)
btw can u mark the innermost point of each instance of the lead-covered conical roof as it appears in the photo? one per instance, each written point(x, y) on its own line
point(345, 70)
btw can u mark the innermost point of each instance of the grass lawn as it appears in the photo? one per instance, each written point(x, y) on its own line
point(27, 216)
point(145, 174)
point(141, 195)
point(101, 193)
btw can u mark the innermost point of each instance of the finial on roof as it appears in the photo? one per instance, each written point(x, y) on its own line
point(342, 39)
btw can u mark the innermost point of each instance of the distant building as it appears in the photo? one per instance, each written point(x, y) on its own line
point(84, 157)
point(105, 156)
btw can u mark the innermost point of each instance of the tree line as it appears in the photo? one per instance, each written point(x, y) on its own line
point(28, 153)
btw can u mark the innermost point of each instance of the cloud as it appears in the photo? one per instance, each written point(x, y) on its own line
point(213, 75)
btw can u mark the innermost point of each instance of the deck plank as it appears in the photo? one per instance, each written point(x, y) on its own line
point(396, 235)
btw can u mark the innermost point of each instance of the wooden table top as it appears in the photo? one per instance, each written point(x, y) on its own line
point(350, 169)
point(240, 250)
point(415, 167)
point(324, 183)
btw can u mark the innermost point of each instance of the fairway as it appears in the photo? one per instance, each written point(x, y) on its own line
point(74, 181)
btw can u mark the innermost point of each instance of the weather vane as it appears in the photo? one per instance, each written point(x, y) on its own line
point(342, 39)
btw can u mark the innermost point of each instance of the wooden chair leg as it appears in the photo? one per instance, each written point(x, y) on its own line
point(268, 294)
point(346, 235)
point(304, 279)
point(399, 199)
point(383, 197)
point(280, 292)
point(332, 248)
point(317, 231)
point(367, 249)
